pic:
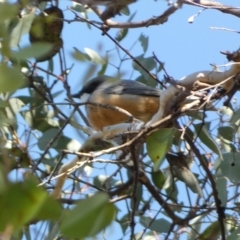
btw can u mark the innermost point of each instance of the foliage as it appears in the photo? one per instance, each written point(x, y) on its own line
point(184, 180)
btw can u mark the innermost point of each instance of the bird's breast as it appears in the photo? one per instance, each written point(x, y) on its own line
point(141, 107)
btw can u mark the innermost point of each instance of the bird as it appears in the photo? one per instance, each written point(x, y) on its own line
point(141, 101)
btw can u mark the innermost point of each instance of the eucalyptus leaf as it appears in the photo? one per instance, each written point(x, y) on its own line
point(11, 78)
point(47, 137)
point(221, 184)
point(22, 27)
point(149, 63)
point(20, 203)
point(35, 50)
point(80, 55)
point(121, 34)
point(235, 116)
point(229, 167)
point(158, 143)
point(158, 179)
point(204, 135)
point(94, 56)
point(144, 42)
point(185, 175)
point(235, 235)
point(7, 11)
point(226, 132)
point(158, 225)
point(212, 232)
point(88, 217)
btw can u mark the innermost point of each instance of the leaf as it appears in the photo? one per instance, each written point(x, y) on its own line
point(160, 225)
point(206, 138)
point(7, 11)
point(125, 11)
point(185, 175)
point(124, 222)
point(147, 80)
point(235, 116)
point(158, 179)
point(144, 42)
point(231, 223)
point(78, 7)
point(149, 63)
point(50, 210)
point(158, 143)
point(226, 132)
point(103, 69)
point(14, 106)
point(121, 34)
point(94, 56)
point(88, 217)
point(195, 224)
point(212, 232)
point(235, 234)
point(226, 168)
point(35, 50)
point(20, 203)
point(22, 27)
point(80, 55)
point(221, 184)
point(11, 78)
point(48, 136)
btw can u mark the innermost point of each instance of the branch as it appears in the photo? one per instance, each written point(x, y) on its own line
point(214, 5)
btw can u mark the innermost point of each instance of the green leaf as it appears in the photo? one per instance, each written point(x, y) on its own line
point(235, 235)
point(7, 11)
point(22, 27)
point(78, 7)
point(185, 175)
point(207, 139)
point(158, 178)
point(35, 50)
point(221, 184)
point(211, 232)
point(226, 111)
point(171, 187)
point(147, 80)
point(160, 225)
point(11, 78)
point(48, 136)
point(94, 56)
point(88, 217)
point(158, 144)
point(103, 69)
point(14, 106)
point(38, 120)
point(144, 42)
point(80, 55)
point(226, 132)
point(229, 167)
point(124, 222)
point(131, 17)
point(50, 210)
point(125, 11)
point(20, 203)
point(149, 63)
point(195, 224)
point(121, 34)
point(236, 116)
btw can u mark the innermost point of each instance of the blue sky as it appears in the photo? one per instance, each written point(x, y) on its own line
point(184, 47)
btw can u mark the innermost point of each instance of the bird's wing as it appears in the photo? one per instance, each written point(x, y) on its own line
point(130, 87)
